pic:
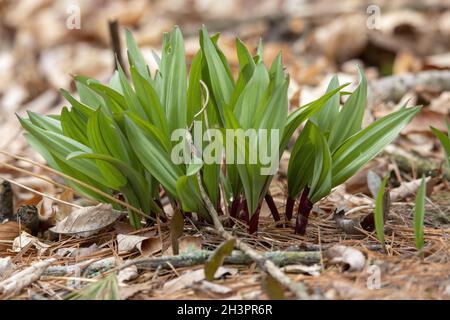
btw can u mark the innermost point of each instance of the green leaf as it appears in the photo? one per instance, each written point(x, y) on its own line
point(221, 84)
point(194, 96)
point(380, 210)
point(135, 57)
point(45, 122)
point(173, 69)
point(419, 214)
point(153, 157)
point(273, 288)
point(326, 117)
point(150, 101)
point(362, 147)
point(445, 141)
point(216, 259)
point(300, 115)
point(73, 126)
point(99, 145)
point(349, 120)
point(104, 289)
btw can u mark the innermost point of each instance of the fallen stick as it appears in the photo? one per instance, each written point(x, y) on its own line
point(188, 259)
point(20, 280)
point(407, 162)
point(393, 88)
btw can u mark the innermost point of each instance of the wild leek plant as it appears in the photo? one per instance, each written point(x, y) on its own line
point(445, 141)
point(332, 147)
point(419, 214)
point(142, 137)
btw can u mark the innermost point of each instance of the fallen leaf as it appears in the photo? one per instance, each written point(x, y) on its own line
point(214, 288)
point(26, 239)
point(146, 245)
point(273, 288)
point(190, 243)
point(313, 270)
point(127, 274)
point(190, 277)
point(350, 258)
point(349, 226)
point(88, 220)
point(176, 230)
point(423, 120)
point(215, 260)
point(78, 252)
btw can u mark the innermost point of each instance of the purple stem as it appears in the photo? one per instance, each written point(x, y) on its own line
point(304, 208)
point(273, 208)
point(290, 202)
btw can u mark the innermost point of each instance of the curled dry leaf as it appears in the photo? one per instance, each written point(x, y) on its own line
point(189, 278)
point(215, 260)
point(146, 245)
point(127, 274)
point(25, 239)
point(349, 226)
point(211, 287)
point(350, 258)
point(88, 220)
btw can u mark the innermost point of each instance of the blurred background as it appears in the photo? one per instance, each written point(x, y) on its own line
point(43, 42)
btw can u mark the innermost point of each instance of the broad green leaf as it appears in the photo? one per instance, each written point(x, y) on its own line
point(135, 57)
point(300, 115)
point(250, 98)
point(380, 211)
point(173, 69)
point(150, 101)
point(445, 141)
point(84, 109)
point(362, 147)
point(327, 116)
point(350, 118)
point(189, 194)
point(73, 126)
point(153, 157)
point(216, 259)
point(221, 84)
point(99, 145)
point(419, 213)
point(45, 122)
point(194, 96)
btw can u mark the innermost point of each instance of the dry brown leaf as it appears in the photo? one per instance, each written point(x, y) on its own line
point(190, 277)
point(422, 122)
point(189, 243)
point(146, 245)
point(26, 239)
point(88, 220)
point(9, 230)
point(350, 258)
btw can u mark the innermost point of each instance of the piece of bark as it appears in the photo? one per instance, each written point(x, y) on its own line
point(6, 201)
